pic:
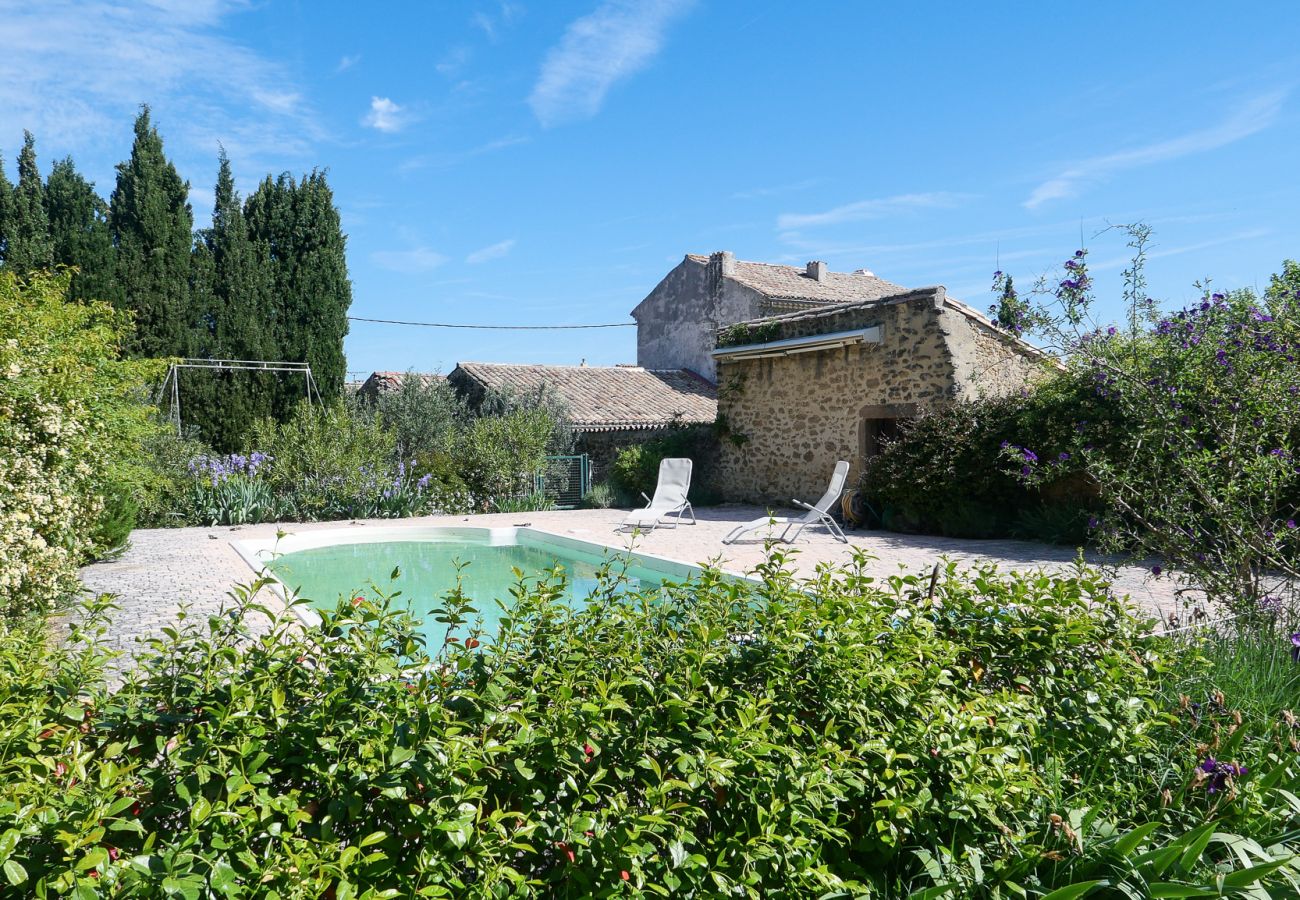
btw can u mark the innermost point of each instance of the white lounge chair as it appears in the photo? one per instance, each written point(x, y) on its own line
point(669, 499)
point(818, 513)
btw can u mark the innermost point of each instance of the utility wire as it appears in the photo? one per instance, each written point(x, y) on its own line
point(493, 327)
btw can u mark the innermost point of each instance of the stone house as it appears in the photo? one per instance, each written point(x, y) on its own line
point(382, 382)
point(678, 321)
point(609, 407)
point(800, 390)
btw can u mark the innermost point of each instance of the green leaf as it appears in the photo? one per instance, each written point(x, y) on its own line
point(1073, 891)
point(373, 838)
point(14, 871)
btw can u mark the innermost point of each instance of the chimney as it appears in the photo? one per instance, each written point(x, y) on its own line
point(725, 260)
point(817, 270)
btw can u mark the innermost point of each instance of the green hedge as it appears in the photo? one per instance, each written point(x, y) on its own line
point(791, 738)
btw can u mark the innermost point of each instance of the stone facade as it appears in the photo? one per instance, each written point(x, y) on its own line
point(678, 322)
point(791, 417)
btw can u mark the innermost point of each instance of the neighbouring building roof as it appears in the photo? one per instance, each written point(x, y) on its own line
point(387, 381)
point(796, 282)
point(605, 398)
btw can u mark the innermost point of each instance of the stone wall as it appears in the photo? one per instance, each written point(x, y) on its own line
point(678, 322)
point(795, 416)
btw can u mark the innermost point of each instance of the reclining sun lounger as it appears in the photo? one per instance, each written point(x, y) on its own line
point(669, 499)
point(818, 513)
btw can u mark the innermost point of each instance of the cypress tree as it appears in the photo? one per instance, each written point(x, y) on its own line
point(79, 234)
point(6, 197)
point(299, 227)
point(232, 286)
point(27, 226)
point(151, 224)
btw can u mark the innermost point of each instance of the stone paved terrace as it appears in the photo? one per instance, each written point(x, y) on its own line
point(164, 568)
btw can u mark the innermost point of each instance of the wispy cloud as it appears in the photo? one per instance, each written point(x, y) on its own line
point(1255, 115)
point(755, 193)
point(75, 73)
point(491, 23)
point(451, 158)
point(490, 252)
point(453, 61)
point(608, 45)
point(347, 62)
point(864, 210)
point(385, 115)
point(408, 262)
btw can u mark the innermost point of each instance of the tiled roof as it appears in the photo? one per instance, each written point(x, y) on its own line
point(794, 283)
point(388, 380)
point(608, 398)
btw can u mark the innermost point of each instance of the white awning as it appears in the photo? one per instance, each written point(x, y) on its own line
point(809, 344)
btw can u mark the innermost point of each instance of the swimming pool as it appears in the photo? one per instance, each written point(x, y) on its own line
point(322, 566)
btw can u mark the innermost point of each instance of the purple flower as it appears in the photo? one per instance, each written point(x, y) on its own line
point(1111, 331)
point(1156, 570)
point(1290, 523)
point(1218, 773)
point(1093, 521)
point(1030, 455)
point(1063, 457)
point(1295, 647)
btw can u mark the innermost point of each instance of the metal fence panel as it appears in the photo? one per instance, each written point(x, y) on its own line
point(565, 480)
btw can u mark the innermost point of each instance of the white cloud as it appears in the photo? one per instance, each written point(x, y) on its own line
point(1255, 115)
point(490, 24)
point(755, 193)
point(75, 73)
point(347, 62)
point(384, 115)
point(490, 252)
point(608, 45)
point(408, 262)
point(864, 210)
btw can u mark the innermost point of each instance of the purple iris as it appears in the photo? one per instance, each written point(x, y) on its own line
point(1295, 647)
point(1219, 773)
point(1156, 570)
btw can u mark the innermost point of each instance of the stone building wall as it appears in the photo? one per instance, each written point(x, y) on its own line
point(794, 416)
point(678, 322)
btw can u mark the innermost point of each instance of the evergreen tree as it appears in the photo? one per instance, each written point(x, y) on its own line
point(300, 229)
point(6, 197)
point(231, 285)
point(151, 224)
point(79, 234)
point(27, 227)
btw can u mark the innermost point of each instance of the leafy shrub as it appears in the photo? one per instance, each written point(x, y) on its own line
point(71, 425)
point(635, 469)
point(536, 501)
point(1203, 471)
point(601, 496)
point(112, 529)
point(789, 738)
point(324, 457)
point(499, 455)
point(423, 413)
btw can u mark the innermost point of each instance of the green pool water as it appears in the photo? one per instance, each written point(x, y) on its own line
point(427, 571)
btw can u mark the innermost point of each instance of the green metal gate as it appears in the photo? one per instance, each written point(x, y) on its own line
point(566, 479)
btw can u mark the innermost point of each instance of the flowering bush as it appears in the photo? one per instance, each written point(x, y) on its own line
point(1204, 472)
point(70, 429)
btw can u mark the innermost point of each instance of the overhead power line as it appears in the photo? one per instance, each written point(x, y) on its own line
point(493, 327)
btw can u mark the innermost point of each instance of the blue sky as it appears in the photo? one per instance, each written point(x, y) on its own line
point(538, 163)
